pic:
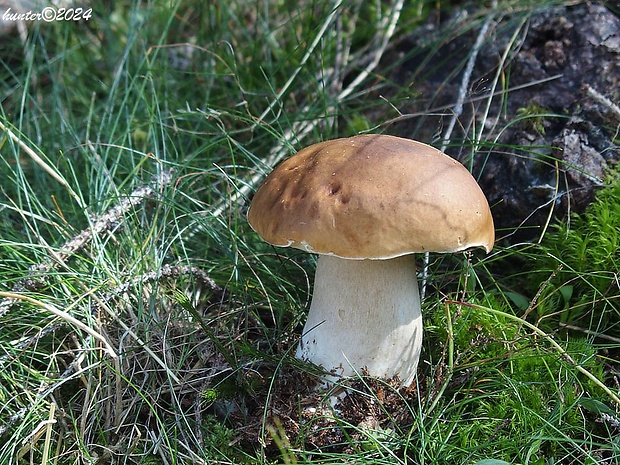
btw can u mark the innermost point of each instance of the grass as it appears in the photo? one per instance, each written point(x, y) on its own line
point(143, 322)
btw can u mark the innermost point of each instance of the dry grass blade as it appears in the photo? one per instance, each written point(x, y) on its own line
point(65, 316)
point(39, 161)
point(48, 433)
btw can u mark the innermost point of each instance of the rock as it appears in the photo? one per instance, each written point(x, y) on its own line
point(548, 141)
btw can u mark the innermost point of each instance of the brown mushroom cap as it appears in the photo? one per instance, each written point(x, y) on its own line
point(372, 196)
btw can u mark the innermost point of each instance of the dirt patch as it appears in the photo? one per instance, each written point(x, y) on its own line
point(299, 412)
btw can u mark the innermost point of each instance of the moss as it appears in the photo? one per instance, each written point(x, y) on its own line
point(578, 268)
point(534, 118)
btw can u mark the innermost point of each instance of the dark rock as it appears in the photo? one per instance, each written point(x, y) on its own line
point(548, 137)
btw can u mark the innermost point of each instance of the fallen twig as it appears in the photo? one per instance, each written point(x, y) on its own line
point(35, 279)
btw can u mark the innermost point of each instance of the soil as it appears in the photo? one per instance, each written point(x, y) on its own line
point(302, 412)
point(563, 71)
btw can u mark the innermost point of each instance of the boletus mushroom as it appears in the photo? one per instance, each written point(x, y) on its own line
point(365, 204)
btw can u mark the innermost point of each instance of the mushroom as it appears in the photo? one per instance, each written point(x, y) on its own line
point(365, 204)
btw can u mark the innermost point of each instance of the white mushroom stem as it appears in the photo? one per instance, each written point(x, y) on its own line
point(364, 314)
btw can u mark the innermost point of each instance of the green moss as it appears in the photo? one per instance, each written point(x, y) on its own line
point(577, 271)
point(533, 118)
point(508, 382)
